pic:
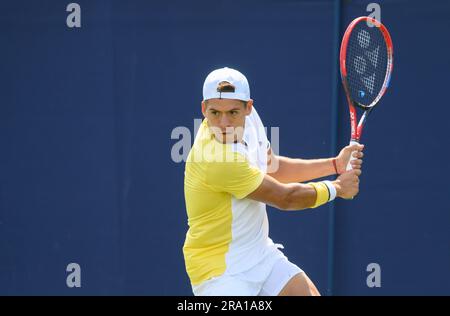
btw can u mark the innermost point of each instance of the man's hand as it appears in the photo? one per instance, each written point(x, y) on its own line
point(347, 184)
point(344, 156)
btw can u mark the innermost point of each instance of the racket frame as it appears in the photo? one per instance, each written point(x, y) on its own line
point(356, 128)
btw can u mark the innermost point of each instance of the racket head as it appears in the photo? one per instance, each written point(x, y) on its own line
point(366, 61)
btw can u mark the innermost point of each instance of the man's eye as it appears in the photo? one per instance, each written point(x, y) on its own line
point(234, 112)
point(215, 113)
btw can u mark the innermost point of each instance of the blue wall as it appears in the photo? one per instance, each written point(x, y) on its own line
point(86, 117)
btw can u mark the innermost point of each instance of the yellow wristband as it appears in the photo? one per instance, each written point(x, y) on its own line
point(322, 193)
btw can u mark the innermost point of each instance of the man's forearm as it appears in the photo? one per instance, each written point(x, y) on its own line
point(288, 170)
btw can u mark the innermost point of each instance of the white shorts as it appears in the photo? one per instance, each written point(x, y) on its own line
point(267, 278)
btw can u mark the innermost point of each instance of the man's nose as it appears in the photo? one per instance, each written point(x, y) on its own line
point(224, 122)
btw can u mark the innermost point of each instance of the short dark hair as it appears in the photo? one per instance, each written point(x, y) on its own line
point(225, 86)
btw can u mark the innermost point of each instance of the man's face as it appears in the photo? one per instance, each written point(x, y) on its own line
point(226, 118)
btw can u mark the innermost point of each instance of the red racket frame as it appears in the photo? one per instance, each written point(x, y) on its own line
point(356, 128)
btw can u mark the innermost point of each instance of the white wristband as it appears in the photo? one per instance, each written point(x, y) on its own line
point(331, 190)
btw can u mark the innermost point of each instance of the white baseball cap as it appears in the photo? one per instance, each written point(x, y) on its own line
point(232, 76)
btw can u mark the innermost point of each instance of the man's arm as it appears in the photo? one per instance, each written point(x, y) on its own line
point(289, 170)
point(297, 196)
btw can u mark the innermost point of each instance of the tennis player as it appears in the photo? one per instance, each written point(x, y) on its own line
point(231, 174)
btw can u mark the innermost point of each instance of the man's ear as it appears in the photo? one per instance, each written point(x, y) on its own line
point(204, 108)
point(249, 107)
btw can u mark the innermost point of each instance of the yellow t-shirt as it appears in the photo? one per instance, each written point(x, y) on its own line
point(217, 179)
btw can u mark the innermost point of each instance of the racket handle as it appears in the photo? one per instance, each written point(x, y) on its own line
point(349, 166)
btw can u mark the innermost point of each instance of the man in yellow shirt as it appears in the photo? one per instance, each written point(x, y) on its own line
point(231, 174)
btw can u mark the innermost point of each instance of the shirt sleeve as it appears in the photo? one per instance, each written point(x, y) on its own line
point(235, 176)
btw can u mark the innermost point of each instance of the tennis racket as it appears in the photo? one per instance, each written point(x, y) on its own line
point(366, 63)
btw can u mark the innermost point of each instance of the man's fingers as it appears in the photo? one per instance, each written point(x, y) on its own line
point(356, 147)
point(357, 172)
point(358, 154)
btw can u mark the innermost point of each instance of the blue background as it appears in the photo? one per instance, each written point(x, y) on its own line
point(86, 117)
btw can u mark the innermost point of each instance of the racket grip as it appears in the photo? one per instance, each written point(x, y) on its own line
point(349, 166)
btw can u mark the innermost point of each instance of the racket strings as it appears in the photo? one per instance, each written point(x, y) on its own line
point(367, 63)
